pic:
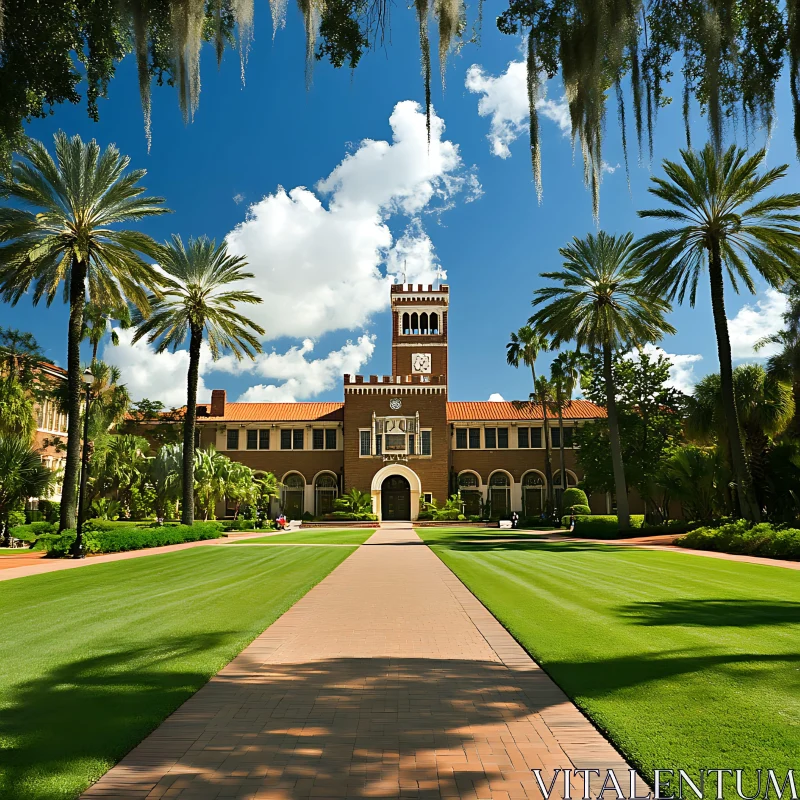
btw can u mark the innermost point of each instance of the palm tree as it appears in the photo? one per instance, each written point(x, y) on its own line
point(600, 304)
point(22, 475)
point(564, 376)
point(198, 299)
point(61, 234)
point(785, 365)
point(544, 395)
point(524, 347)
point(764, 408)
point(721, 224)
point(97, 322)
point(161, 474)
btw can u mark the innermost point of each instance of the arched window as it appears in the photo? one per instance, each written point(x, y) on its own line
point(558, 489)
point(500, 495)
point(468, 487)
point(415, 323)
point(294, 490)
point(326, 491)
point(468, 480)
point(532, 494)
point(406, 323)
point(434, 323)
point(423, 323)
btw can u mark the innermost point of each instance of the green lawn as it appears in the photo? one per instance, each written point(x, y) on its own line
point(312, 537)
point(685, 661)
point(95, 658)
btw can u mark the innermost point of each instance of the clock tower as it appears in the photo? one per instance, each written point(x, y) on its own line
point(419, 330)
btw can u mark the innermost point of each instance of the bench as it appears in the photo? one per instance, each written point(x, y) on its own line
point(293, 525)
point(505, 523)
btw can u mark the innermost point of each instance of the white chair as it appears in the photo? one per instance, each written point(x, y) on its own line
point(505, 523)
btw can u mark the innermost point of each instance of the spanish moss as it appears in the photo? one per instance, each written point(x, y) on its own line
point(452, 19)
point(533, 97)
point(421, 7)
point(243, 13)
point(278, 11)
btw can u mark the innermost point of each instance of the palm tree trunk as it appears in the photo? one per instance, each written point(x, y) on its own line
point(187, 504)
point(620, 487)
point(548, 458)
point(561, 447)
point(77, 301)
point(744, 489)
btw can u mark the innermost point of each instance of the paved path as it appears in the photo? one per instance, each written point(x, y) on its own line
point(388, 679)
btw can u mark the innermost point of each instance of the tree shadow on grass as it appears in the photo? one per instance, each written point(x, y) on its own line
point(519, 542)
point(602, 677)
point(61, 729)
point(713, 613)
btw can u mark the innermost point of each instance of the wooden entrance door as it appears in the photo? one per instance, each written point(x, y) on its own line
point(396, 498)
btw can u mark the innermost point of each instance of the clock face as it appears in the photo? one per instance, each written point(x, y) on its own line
point(421, 363)
point(395, 404)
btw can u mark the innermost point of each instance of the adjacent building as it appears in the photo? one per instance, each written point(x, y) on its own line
point(398, 437)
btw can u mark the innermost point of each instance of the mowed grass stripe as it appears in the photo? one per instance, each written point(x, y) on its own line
point(95, 658)
point(685, 661)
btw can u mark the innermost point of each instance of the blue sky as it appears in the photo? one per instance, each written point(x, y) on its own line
point(320, 256)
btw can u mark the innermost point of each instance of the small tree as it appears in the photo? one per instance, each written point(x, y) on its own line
point(22, 475)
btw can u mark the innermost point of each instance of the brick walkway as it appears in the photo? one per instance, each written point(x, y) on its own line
point(388, 679)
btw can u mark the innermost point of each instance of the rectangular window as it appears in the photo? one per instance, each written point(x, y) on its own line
point(365, 443)
point(502, 437)
point(568, 440)
point(461, 438)
point(378, 444)
point(474, 438)
point(425, 441)
point(263, 440)
point(286, 439)
point(490, 435)
point(252, 440)
point(318, 439)
point(233, 438)
point(412, 441)
point(536, 437)
point(330, 438)
point(522, 437)
point(297, 438)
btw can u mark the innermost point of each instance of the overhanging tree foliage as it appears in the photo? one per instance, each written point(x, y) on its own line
point(730, 54)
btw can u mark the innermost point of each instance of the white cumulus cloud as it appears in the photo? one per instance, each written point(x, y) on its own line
point(505, 99)
point(681, 371)
point(300, 378)
point(319, 267)
point(496, 397)
point(157, 376)
point(753, 322)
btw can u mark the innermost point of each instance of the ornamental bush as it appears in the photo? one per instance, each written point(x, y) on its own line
point(29, 533)
point(740, 538)
point(131, 538)
point(575, 497)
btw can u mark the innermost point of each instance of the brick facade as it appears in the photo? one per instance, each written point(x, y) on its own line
point(400, 427)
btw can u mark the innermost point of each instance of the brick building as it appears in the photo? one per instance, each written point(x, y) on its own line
point(397, 436)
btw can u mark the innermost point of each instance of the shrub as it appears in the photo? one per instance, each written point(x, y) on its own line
point(603, 526)
point(583, 511)
point(740, 539)
point(131, 538)
point(574, 497)
point(51, 510)
point(16, 518)
point(349, 515)
point(246, 525)
point(111, 525)
point(425, 515)
point(29, 533)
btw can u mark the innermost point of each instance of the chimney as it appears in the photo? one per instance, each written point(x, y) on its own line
point(218, 403)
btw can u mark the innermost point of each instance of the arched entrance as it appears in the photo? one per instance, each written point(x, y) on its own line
point(396, 498)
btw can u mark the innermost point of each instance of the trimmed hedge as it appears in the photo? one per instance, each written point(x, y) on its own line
point(247, 525)
point(740, 539)
point(349, 515)
point(602, 526)
point(132, 538)
point(575, 497)
point(30, 532)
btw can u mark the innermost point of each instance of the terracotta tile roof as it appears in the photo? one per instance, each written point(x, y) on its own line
point(278, 412)
point(476, 412)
